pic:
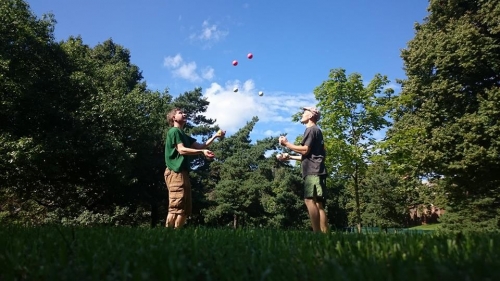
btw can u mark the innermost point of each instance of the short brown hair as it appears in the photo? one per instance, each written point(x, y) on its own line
point(170, 115)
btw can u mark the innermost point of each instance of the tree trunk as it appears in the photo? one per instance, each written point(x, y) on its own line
point(235, 221)
point(356, 195)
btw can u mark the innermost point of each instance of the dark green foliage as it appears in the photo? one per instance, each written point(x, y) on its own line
point(79, 129)
point(284, 203)
point(447, 117)
point(385, 202)
point(247, 192)
point(336, 203)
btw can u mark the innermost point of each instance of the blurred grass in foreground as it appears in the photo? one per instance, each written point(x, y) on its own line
point(121, 253)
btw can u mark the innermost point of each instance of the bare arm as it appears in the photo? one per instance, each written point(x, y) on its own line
point(197, 145)
point(191, 151)
point(295, 157)
point(286, 156)
point(301, 149)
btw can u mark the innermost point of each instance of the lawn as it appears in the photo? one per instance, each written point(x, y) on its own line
point(123, 253)
point(434, 226)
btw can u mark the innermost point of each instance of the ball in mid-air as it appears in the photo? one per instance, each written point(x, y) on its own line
point(235, 62)
point(261, 93)
point(250, 55)
point(235, 89)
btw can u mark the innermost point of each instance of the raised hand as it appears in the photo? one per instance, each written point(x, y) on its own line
point(220, 133)
point(282, 140)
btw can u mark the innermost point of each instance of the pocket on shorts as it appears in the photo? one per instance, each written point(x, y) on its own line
point(167, 172)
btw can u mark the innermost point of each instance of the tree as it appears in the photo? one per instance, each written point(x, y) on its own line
point(73, 118)
point(283, 202)
point(386, 201)
point(36, 104)
point(447, 115)
point(243, 175)
point(351, 114)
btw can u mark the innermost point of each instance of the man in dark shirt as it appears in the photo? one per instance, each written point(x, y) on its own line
point(312, 154)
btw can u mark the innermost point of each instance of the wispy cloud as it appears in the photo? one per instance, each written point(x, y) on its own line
point(187, 70)
point(233, 109)
point(172, 62)
point(209, 34)
point(208, 73)
point(271, 133)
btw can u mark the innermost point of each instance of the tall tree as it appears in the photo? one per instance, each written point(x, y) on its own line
point(386, 200)
point(351, 114)
point(36, 106)
point(447, 116)
point(283, 202)
point(244, 175)
point(65, 129)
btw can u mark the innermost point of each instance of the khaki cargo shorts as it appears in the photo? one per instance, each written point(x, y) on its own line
point(179, 192)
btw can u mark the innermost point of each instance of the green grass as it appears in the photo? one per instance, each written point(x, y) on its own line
point(434, 226)
point(50, 253)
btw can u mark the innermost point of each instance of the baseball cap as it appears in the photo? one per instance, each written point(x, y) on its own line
point(313, 110)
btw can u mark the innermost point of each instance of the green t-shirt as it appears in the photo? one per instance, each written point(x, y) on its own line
point(173, 159)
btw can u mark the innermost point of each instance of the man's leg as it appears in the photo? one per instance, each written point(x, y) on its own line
point(180, 220)
point(170, 222)
point(310, 200)
point(313, 213)
point(323, 220)
point(178, 186)
point(186, 200)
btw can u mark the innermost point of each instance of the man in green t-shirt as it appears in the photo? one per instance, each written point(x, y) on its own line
point(312, 156)
point(178, 145)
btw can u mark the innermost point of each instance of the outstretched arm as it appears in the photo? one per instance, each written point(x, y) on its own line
point(295, 157)
point(192, 151)
point(286, 156)
point(197, 145)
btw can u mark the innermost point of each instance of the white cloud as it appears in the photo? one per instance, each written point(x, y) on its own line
point(187, 70)
point(271, 133)
point(233, 110)
point(210, 33)
point(208, 73)
point(172, 62)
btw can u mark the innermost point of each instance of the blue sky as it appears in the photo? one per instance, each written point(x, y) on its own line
point(183, 44)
